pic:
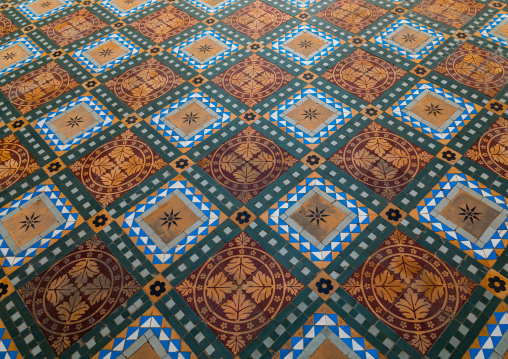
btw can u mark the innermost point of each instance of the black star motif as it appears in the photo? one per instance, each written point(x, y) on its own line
point(469, 213)
point(317, 215)
point(310, 114)
point(29, 222)
point(190, 117)
point(205, 48)
point(409, 38)
point(45, 4)
point(305, 44)
point(128, 2)
point(74, 121)
point(9, 56)
point(106, 52)
point(170, 219)
point(433, 110)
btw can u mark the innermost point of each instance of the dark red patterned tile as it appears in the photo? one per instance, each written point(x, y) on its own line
point(352, 15)
point(16, 162)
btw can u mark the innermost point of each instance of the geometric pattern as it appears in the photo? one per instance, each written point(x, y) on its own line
point(179, 139)
point(331, 43)
point(361, 218)
point(453, 13)
point(35, 52)
point(230, 48)
point(211, 219)
point(443, 135)
point(383, 39)
point(489, 31)
point(497, 239)
point(491, 335)
point(26, 9)
point(61, 145)
point(7, 346)
point(326, 318)
point(208, 8)
point(301, 4)
point(319, 135)
point(81, 57)
point(16, 163)
point(352, 15)
point(151, 322)
point(111, 7)
point(8, 260)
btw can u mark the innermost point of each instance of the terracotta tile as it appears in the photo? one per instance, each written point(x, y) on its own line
point(328, 350)
point(38, 87)
point(205, 48)
point(477, 68)
point(116, 167)
point(256, 19)
point(144, 83)
point(410, 290)
point(84, 299)
point(453, 13)
point(364, 75)
point(164, 23)
point(73, 27)
point(490, 149)
point(247, 163)
point(252, 79)
point(382, 160)
point(145, 352)
point(352, 15)
point(433, 109)
point(16, 163)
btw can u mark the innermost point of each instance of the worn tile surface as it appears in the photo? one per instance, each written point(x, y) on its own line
point(253, 179)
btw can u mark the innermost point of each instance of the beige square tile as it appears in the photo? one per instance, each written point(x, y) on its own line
point(126, 5)
point(310, 114)
point(145, 352)
point(190, 118)
point(205, 48)
point(29, 222)
point(410, 38)
point(12, 55)
point(106, 52)
point(433, 109)
point(305, 44)
point(74, 122)
point(43, 6)
point(469, 213)
point(318, 216)
point(171, 219)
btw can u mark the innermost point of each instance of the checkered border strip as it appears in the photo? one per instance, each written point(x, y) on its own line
point(379, 39)
point(180, 142)
point(364, 217)
point(154, 321)
point(337, 326)
point(490, 335)
point(62, 204)
point(496, 244)
point(31, 16)
point(302, 5)
point(211, 10)
point(106, 4)
point(79, 55)
point(299, 132)
point(146, 245)
point(334, 43)
point(56, 143)
point(485, 31)
point(32, 46)
point(467, 115)
point(232, 47)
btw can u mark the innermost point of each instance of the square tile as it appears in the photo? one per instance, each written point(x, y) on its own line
point(17, 53)
point(452, 13)
point(352, 15)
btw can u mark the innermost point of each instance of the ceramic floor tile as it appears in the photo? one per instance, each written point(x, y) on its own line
point(265, 179)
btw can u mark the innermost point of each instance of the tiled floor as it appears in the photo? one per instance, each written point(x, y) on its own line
point(281, 179)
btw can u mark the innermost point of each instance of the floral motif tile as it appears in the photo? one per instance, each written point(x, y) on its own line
point(144, 83)
point(352, 15)
point(6, 26)
point(490, 149)
point(253, 79)
point(16, 162)
point(382, 160)
point(83, 288)
point(164, 23)
point(73, 27)
point(256, 19)
point(453, 13)
point(238, 291)
point(38, 87)
point(116, 167)
point(364, 75)
point(477, 68)
point(247, 163)
point(412, 291)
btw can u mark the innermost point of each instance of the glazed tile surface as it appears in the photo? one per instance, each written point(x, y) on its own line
point(272, 179)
